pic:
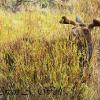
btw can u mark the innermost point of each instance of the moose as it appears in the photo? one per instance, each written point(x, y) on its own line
point(83, 38)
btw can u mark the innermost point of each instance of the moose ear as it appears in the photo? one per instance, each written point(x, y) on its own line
point(74, 31)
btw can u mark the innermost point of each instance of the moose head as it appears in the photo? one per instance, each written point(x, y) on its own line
point(85, 32)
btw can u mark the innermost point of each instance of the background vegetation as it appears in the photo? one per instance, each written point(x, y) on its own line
point(36, 53)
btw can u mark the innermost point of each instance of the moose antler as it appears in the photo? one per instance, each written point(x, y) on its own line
point(65, 20)
point(95, 23)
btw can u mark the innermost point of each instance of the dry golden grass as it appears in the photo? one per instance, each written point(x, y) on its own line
point(35, 52)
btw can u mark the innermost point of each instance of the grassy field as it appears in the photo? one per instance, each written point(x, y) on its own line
point(37, 55)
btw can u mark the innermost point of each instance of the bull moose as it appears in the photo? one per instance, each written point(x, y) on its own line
point(82, 34)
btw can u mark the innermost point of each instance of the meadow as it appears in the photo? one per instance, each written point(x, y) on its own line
point(37, 55)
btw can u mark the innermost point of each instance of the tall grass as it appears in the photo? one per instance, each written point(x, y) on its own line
point(36, 53)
